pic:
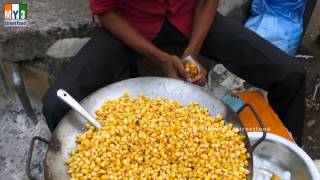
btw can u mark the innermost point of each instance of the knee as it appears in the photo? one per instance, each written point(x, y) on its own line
point(290, 76)
point(48, 111)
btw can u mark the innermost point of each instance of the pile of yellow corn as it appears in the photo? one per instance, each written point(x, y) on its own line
point(191, 69)
point(143, 138)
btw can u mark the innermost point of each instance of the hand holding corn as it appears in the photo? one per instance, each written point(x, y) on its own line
point(143, 138)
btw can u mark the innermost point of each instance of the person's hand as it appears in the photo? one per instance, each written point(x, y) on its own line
point(173, 67)
point(200, 79)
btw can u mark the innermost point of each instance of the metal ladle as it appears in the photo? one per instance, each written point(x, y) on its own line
point(67, 98)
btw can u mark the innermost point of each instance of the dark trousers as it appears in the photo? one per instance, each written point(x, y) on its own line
point(104, 59)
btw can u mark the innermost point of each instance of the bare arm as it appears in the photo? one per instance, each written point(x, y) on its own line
point(203, 18)
point(122, 29)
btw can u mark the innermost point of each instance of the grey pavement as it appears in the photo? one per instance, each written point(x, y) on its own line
point(52, 21)
point(16, 133)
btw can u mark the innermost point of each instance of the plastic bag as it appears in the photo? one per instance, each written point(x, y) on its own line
point(278, 21)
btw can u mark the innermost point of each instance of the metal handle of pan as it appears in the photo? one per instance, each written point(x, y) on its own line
point(260, 123)
point(29, 159)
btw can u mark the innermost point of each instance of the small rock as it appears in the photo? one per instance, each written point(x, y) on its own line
point(310, 138)
point(311, 123)
point(308, 104)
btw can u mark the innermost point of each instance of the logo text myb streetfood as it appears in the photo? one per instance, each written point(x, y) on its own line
point(15, 15)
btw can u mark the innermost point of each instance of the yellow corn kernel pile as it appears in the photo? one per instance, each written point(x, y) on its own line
point(191, 69)
point(143, 138)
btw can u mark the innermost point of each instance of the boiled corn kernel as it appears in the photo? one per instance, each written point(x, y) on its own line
point(143, 138)
point(191, 69)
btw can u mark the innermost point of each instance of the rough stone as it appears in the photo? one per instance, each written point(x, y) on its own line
point(16, 134)
point(47, 22)
point(13, 145)
point(66, 48)
point(311, 123)
point(55, 66)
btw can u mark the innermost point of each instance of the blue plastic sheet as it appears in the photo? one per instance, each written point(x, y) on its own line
point(278, 21)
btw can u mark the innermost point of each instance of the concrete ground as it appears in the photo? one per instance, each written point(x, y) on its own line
point(16, 129)
point(311, 46)
point(16, 133)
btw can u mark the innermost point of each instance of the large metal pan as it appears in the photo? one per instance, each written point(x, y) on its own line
point(72, 124)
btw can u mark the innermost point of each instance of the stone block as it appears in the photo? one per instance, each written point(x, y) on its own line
point(47, 22)
point(55, 67)
point(66, 48)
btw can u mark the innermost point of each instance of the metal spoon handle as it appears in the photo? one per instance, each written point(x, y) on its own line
point(67, 98)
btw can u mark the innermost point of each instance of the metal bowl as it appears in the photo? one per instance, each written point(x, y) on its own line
point(280, 157)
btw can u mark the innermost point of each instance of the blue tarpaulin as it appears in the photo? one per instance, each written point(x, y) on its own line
point(278, 21)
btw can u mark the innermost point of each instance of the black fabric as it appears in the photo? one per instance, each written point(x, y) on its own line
point(104, 58)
